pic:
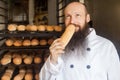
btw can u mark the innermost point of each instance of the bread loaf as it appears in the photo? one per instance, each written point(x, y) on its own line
point(17, 60)
point(28, 60)
point(58, 28)
point(6, 59)
point(21, 75)
point(34, 42)
point(67, 35)
point(37, 76)
point(9, 42)
point(43, 42)
point(37, 60)
point(26, 42)
point(8, 74)
point(17, 43)
point(28, 76)
point(41, 28)
point(12, 27)
point(21, 28)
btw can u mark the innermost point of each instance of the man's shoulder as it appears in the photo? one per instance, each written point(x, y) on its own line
point(104, 40)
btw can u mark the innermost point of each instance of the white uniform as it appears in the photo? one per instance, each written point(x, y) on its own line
point(100, 62)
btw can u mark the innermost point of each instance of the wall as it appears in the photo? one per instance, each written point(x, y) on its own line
point(52, 12)
point(106, 18)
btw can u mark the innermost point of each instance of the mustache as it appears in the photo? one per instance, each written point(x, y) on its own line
point(76, 25)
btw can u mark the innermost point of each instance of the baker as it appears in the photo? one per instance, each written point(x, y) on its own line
point(86, 56)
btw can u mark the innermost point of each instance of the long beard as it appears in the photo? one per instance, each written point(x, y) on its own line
point(78, 38)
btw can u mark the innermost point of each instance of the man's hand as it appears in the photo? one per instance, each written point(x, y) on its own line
point(56, 49)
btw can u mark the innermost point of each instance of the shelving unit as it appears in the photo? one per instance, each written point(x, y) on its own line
point(3, 14)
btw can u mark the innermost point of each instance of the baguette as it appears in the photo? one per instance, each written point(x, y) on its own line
point(67, 35)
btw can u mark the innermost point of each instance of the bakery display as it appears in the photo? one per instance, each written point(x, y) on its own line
point(20, 46)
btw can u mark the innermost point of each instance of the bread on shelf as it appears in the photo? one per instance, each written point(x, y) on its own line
point(43, 42)
point(26, 42)
point(37, 60)
point(12, 27)
point(9, 42)
point(21, 27)
point(34, 42)
point(41, 28)
point(49, 28)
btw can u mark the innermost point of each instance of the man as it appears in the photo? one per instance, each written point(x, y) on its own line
point(86, 57)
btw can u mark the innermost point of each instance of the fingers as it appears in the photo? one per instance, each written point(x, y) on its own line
point(56, 45)
point(56, 49)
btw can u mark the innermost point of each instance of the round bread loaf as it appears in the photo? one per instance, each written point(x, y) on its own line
point(12, 27)
point(34, 42)
point(29, 76)
point(37, 60)
point(26, 42)
point(58, 28)
point(17, 60)
point(28, 60)
point(50, 28)
point(17, 43)
point(43, 42)
point(21, 28)
point(9, 42)
point(41, 28)
point(33, 28)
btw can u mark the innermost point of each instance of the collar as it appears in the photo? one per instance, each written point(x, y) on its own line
point(92, 35)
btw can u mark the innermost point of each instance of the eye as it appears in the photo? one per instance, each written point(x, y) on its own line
point(77, 15)
point(67, 16)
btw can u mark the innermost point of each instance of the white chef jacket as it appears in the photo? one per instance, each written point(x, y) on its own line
point(100, 62)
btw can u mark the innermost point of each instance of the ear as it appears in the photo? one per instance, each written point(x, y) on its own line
point(88, 18)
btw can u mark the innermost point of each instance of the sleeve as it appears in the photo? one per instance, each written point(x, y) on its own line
point(50, 71)
point(114, 64)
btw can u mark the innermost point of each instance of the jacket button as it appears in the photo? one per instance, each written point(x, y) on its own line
point(88, 66)
point(71, 66)
point(88, 49)
point(72, 49)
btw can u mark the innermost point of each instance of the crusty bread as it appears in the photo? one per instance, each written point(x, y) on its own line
point(12, 27)
point(21, 28)
point(67, 35)
point(9, 42)
point(41, 28)
point(37, 60)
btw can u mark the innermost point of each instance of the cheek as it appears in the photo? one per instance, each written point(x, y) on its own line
point(67, 23)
